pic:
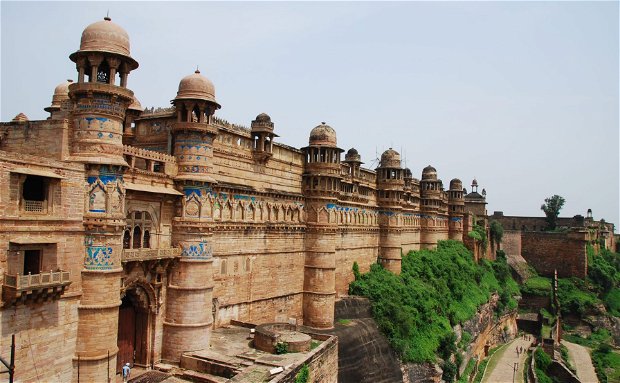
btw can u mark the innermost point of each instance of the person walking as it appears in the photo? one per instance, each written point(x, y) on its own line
point(126, 372)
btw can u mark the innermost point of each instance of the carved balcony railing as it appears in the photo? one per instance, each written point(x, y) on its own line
point(35, 287)
point(134, 255)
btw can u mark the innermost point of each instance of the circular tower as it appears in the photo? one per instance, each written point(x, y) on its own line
point(390, 189)
point(99, 102)
point(188, 321)
point(321, 187)
point(456, 210)
point(431, 189)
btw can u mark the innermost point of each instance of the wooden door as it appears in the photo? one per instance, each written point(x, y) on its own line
point(126, 335)
point(141, 337)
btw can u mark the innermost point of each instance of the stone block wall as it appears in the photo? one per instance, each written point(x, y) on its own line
point(45, 339)
point(547, 252)
point(354, 246)
point(322, 363)
point(47, 138)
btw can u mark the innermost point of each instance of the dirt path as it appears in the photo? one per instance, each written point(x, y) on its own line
point(579, 357)
point(501, 366)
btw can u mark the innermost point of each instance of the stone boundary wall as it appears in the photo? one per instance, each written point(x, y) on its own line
point(564, 252)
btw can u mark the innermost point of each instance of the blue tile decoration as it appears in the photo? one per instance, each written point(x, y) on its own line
point(98, 258)
point(200, 250)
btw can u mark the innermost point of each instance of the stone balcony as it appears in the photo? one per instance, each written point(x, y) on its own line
point(34, 287)
point(139, 255)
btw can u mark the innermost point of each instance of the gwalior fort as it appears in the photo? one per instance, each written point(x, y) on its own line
point(182, 244)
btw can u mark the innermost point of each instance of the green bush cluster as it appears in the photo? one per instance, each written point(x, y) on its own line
point(536, 285)
point(303, 375)
point(435, 290)
point(281, 348)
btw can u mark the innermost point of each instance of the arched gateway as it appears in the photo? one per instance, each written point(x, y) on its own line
point(134, 326)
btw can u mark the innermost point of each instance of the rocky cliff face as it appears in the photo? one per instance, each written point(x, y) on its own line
point(365, 356)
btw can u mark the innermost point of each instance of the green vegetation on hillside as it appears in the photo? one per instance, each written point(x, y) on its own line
point(436, 290)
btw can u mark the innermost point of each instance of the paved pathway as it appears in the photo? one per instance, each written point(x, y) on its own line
point(500, 368)
point(579, 357)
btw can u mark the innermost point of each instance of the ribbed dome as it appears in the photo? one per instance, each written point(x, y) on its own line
point(323, 135)
point(390, 159)
point(262, 123)
point(456, 184)
point(196, 87)
point(429, 173)
point(135, 105)
point(105, 36)
point(352, 156)
point(20, 118)
point(263, 117)
point(61, 93)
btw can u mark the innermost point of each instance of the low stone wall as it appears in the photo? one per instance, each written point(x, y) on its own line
point(268, 335)
point(322, 363)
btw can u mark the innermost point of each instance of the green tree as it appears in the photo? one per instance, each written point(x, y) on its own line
point(497, 232)
point(552, 207)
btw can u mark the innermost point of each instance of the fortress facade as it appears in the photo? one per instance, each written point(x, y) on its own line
point(129, 234)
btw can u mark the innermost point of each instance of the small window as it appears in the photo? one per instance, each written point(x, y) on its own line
point(147, 239)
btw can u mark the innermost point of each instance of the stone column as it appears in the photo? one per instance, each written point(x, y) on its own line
point(390, 250)
point(320, 277)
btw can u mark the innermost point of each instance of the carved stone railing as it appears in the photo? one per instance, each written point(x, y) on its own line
point(148, 154)
point(133, 255)
point(35, 287)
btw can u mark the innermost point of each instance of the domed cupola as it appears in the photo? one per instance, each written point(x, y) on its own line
point(196, 87)
point(61, 95)
point(262, 137)
point(390, 178)
point(429, 173)
point(354, 160)
point(104, 49)
point(323, 135)
point(390, 159)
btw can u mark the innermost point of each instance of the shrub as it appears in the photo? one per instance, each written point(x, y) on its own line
point(303, 374)
point(449, 371)
point(281, 348)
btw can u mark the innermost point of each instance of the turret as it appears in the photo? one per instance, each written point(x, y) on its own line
point(390, 189)
point(262, 137)
point(456, 210)
point(60, 101)
point(321, 187)
point(99, 103)
point(189, 318)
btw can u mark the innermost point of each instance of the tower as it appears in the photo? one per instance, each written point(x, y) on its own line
point(456, 210)
point(430, 207)
point(60, 101)
point(321, 186)
point(390, 189)
point(188, 321)
point(100, 102)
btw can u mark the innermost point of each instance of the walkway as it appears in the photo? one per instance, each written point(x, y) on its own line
point(579, 357)
point(501, 366)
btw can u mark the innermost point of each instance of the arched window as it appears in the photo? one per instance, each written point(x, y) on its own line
point(126, 240)
point(137, 237)
point(146, 243)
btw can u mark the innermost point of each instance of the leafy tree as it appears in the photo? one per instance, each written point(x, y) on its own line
point(497, 232)
point(552, 207)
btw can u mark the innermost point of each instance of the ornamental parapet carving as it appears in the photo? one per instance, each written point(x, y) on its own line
point(132, 255)
point(148, 154)
point(195, 126)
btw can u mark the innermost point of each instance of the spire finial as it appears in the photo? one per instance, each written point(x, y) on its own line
point(197, 71)
point(107, 16)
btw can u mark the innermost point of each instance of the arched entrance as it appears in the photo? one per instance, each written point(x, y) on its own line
point(133, 328)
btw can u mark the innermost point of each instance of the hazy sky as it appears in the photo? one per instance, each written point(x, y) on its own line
point(521, 95)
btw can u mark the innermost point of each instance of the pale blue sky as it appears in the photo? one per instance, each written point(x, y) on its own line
point(521, 95)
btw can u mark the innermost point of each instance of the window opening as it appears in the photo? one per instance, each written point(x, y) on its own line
point(32, 262)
